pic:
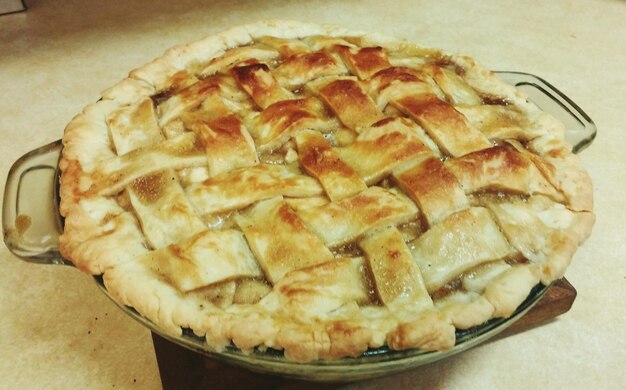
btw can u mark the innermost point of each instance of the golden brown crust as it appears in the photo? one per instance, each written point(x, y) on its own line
point(435, 190)
point(320, 191)
point(350, 103)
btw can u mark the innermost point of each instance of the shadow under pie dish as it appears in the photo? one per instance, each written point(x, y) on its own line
point(321, 192)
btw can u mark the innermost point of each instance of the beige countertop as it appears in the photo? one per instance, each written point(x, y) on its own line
point(57, 330)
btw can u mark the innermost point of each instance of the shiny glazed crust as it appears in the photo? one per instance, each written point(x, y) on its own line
point(315, 191)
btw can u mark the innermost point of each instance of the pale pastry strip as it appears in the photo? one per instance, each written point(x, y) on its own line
point(301, 68)
point(397, 278)
point(500, 168)
point(458, 243)
point(279, 239)
point(208, 257)
point(478, 278)
point(348, 101)
point(395, 82)
point(188, 98)
point(545, 232)
point(363, 62)
point(306, 203)
point(435, 190)
point(242, 187)
point(165, 214)
point(322, 42)
point(133, 126)
point(238, 55)
point(457, 91)
point(443, 123)
point(114, 174)
point(400, 286)
point(563, 171)
point(286, 47)
point(499, 122)
point(315, 291)
point(321, 161)
point(227, 143)
point(231, 96)
point(273, 126)
point(382, 147)
point(340, 222)
point(257, 80)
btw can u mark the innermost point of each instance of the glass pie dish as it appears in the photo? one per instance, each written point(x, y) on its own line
point(32, 225)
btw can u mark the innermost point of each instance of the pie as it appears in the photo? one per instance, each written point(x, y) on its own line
point(319, 191)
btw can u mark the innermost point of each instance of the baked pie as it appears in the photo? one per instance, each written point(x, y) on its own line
point(318, 191)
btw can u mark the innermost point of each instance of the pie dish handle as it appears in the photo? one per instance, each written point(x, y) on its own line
point(580, 129)
point(31, 223)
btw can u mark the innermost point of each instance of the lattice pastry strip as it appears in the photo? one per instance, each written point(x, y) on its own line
point(363, 62)
point(348, 100)
point(457, 91)
point(301, 68)
point(394, 83)
point(258, 81)
point(338, 223)
point(320, 160)
point(318, 290)
point(397, 278)
point(382, 147)
point(432, 186)
point(275, 125)
point(499, 122)
point(458, 243)
point(542, 231)
point(187, 98)
point(443, 123)
point(227, 143)
point(500, 168)
point(413, 94)
point(134, 126)
point(208, 257)
point(279, 239)
point(288, 48)
point(492, 289)
point(242, 187)
point(114, 174)
point(239, 55)
point(161, 206)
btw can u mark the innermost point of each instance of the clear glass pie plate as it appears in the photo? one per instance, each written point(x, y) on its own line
point(32, 225)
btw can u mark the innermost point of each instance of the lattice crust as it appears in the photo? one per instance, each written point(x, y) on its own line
point(310, 189)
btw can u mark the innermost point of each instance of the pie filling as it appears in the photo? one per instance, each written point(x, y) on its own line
point(319, 195)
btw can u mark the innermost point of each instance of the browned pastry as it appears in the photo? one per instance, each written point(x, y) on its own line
point(320, 191)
